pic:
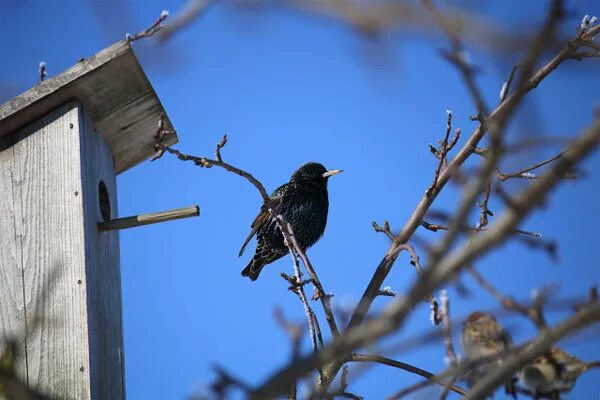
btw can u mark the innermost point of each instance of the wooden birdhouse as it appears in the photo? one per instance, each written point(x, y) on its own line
point(62, 143)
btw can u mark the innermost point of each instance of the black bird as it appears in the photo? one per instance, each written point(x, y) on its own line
point(303, 203)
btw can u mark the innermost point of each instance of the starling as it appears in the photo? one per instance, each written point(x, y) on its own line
point(303, 203)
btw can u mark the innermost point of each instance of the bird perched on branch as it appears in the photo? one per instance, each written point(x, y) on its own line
point(553, 373)
point(483, 338)
point(303, 203)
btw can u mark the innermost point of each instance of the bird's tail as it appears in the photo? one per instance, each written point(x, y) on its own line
point(253, 269)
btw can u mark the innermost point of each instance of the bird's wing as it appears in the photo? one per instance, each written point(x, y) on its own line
point(263, 216)
point(259, 221)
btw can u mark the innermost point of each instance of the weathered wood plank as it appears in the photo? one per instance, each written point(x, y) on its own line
point(115, 92)
point(68, 273)
point(12, 305)
point(150, 218)
point(103, 283)
point(47, 180)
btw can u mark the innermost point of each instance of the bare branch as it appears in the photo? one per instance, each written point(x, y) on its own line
point(220, 145)
point(341, 392)
point(434, 276)
point(191, 11)
point(297, 286)
point(439, 227)
point(406, 367)
point(533, 313)
point(383, 229)
point(161, 148)
point(502, 111)
point(506, 85)
point(443, 150)
point(414, 261)
point(524, 173)
point(150, 31)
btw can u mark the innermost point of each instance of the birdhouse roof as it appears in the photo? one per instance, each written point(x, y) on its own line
point(114, 91)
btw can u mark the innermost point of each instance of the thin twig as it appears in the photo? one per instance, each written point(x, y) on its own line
point(533, 313)
point(409, 389)
point(161, 148)
point(341, 391)
point(445, 312)
point(220, 145)
point(298, 288)
point(385, 229)
point(406, 367)
point(414, 258)
point(459, 58)
point(150, 31)
point(506, 86)
point(320, 293)
point(446, 389)
point(294, 332)
point(226, 381)
point(442, 151)
point(483, 205)
point(439, 227)
point(192, 10)
point(524, 173)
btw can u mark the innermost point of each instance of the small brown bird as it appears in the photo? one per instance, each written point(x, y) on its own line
point(303, 202)
point(484, 338)
point(553, 373)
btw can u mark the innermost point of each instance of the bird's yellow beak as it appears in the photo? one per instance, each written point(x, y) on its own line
point(332, 172)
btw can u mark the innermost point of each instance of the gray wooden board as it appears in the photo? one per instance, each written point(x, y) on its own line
point(69, 272)
point(102, 270)
point(116, 93)
point(46, 174)
point(12, 307)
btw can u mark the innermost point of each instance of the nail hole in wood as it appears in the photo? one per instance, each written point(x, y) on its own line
point(104, 201)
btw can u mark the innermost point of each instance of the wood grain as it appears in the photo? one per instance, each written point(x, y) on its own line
point(150, 218)
point(12, 305)
point(46, 176)
point(68, 272)
point(103, 274)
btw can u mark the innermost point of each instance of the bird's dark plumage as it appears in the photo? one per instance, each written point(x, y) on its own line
point(303, 203)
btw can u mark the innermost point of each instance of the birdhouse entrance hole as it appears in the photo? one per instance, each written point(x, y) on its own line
point(104, 201)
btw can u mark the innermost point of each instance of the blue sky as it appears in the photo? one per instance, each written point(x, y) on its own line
point(288, 89)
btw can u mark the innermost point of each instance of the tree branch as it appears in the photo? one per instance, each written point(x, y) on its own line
point(393, 317)
point(418, 214)
point(524, 173)
point(406, 367)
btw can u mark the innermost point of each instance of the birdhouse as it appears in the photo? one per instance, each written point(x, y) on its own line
point(62, 143)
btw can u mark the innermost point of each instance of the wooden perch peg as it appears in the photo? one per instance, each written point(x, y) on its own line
point(146, 219)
